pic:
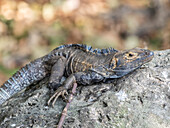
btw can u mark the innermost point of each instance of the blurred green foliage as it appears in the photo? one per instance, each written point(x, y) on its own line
point(7, 72)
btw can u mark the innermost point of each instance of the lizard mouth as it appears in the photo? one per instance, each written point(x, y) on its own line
point(149, 56)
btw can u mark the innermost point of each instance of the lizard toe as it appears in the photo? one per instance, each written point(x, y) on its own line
point(61, 91)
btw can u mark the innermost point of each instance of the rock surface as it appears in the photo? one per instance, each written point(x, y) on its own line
point(139, 100)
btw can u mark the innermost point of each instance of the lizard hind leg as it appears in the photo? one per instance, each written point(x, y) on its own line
point(62, 91)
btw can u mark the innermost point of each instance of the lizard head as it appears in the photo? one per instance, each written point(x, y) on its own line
point(127, 61)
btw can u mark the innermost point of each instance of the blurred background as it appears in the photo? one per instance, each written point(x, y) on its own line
point(31, 28)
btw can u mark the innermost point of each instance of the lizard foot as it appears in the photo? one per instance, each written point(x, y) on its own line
point(60, 91)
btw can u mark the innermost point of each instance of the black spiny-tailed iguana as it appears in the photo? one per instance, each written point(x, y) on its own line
point(78, 63)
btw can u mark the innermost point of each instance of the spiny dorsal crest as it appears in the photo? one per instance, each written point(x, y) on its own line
point(89, 49)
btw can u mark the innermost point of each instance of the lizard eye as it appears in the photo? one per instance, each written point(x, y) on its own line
point(130, 55)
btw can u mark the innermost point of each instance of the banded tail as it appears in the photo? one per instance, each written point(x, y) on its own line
point(27, 75)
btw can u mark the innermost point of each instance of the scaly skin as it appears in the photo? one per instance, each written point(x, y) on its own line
point(80, 63)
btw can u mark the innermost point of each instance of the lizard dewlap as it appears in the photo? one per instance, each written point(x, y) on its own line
point(79, 63)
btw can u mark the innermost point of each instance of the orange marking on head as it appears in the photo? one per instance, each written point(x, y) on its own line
point(114, 60)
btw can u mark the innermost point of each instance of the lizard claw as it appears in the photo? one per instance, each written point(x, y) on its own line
point(60, 91)
point(64, 94)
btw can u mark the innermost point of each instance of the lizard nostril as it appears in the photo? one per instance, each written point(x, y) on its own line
point(151, 53)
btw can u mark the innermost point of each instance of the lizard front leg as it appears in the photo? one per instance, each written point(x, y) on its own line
point(79, 77)
point(57, 72)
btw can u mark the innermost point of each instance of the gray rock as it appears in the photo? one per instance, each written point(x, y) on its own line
point(139, 100)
